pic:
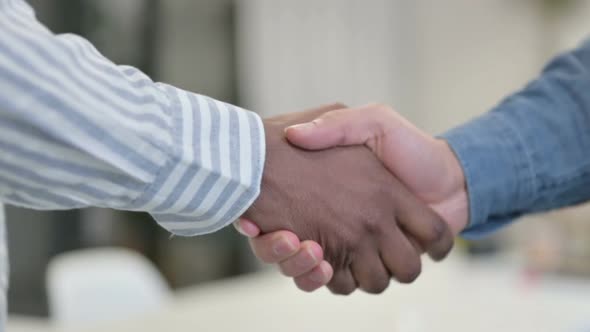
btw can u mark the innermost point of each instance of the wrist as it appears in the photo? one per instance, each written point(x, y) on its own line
point(456, 206)
point(272, 141)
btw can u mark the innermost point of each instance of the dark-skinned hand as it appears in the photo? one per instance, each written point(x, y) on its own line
point(369, 226)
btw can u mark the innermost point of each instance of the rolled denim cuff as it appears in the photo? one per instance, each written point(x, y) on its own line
point(498, 171)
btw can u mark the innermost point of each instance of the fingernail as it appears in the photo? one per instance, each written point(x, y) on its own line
point(238, 226)
point(309, 260)
point(283, 247)
point(304, 127)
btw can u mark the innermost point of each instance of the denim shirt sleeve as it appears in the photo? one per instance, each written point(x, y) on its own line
point(530, 153)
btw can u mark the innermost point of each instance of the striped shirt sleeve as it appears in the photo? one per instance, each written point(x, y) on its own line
point(77, 130)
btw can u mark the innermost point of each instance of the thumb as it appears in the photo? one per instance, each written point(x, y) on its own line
point(335, 128)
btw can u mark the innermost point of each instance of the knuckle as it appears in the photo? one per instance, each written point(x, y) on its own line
point(409, 274)
point(335, 114)
point(385, 114)
point(352, 241)
point(372, 225)
point(374, 221)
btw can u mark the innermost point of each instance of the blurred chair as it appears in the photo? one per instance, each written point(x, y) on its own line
point(92, 286)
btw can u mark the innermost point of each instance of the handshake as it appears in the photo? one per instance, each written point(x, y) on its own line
point(352, 198)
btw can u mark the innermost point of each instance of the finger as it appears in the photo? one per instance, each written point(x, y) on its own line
point(275, 247)
point(308, 257)
point(425, 226)
point(247, 227)
point(306, 115)
point(316, 278)
point(342, 282)
point(414, 243)
point(399, 255)
point(351, 126)
point(368, 270)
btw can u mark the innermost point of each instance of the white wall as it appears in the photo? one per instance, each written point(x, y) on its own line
point(438, 62)
point(297, 54)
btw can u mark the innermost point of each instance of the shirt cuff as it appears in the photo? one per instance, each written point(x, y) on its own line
point(214, 171)
point(498, 171)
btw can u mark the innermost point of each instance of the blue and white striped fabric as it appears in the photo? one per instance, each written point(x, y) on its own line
point(77, 130)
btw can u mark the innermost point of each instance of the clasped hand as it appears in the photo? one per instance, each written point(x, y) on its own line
point(360, 225)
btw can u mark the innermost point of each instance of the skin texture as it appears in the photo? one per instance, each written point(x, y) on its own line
point(426, 165)
point(343, 199)
point(311, 272)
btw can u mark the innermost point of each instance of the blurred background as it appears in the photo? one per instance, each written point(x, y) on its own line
point(438, 63)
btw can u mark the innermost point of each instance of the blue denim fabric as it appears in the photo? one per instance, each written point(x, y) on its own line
point(531, 153)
